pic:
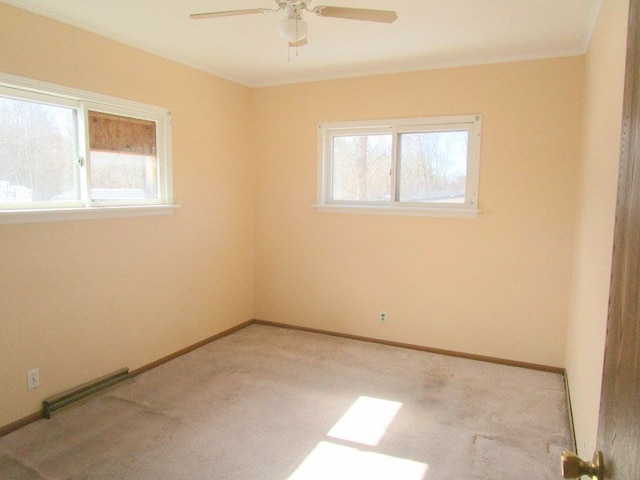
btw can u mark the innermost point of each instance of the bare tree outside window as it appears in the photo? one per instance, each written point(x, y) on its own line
point(37, 152)
point(433, 166)
point(361, 168)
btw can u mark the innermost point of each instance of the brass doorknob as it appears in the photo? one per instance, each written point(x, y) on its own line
point(573, 466)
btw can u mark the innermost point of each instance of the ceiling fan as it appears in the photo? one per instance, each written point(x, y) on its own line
point(293, 28)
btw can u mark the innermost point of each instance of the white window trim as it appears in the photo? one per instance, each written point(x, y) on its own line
point(469, 209)
point(84, 101)
point(67, 214)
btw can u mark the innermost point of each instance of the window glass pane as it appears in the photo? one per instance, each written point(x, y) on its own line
point(433, 167)
point(123, 162)
point(38, 152)
point(361, 168)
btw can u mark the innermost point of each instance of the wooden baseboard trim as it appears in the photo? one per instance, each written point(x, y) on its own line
point(6, 429)
point(23, 422)
point(190, 348)
point(572, 427)
point(450, 353)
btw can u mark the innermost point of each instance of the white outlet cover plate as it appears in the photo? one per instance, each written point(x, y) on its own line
point(33, 378)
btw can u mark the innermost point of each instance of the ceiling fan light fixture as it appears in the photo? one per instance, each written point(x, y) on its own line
point(292, 29)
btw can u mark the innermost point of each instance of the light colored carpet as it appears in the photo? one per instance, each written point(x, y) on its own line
point(277, 404)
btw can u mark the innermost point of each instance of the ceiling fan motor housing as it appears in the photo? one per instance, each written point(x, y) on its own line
point(297, 4)
point(292, 28)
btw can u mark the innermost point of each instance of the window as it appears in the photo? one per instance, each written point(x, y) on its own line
point(68, 154)
point(420, 166)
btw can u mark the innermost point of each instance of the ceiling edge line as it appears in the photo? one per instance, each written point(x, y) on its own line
point(591, 25)
point(576, 52)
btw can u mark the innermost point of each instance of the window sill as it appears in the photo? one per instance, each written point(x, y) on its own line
point(68, 214)
point(406, 211)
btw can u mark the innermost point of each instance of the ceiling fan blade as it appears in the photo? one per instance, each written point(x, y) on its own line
point(228, 13)
point(299, 43)
point(383, 16)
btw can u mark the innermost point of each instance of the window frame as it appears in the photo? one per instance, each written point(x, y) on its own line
point(329, 130)
point(83, 101)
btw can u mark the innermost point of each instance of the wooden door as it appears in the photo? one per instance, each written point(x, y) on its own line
point(619, 423)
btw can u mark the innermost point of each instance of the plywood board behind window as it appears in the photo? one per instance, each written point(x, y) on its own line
point(115, 133)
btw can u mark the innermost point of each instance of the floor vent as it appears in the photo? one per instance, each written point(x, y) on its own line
point(70, 397)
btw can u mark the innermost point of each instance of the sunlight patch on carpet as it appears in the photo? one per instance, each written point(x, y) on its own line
point(366, 421)
point(339, 462)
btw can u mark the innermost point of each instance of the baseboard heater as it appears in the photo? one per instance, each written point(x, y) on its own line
point(70, 397)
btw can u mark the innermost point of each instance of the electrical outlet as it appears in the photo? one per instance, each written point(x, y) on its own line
point(33, 378)
point(383, 317)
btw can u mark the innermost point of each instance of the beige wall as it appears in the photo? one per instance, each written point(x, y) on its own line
point(497, 285)
point(596, 209)
point(81, 299)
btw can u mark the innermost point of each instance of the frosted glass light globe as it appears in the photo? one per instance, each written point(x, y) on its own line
point(292, 29)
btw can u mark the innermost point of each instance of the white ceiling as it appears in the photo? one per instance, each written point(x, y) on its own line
point(248, 50)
